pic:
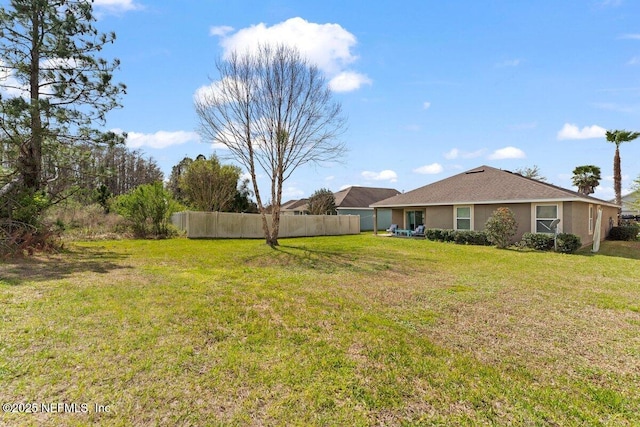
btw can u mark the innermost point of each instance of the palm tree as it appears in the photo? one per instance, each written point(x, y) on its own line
point(618, 137)
point(586, 178)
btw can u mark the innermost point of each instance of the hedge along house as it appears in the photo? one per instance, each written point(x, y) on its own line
point(465, 202)
point(357, 201)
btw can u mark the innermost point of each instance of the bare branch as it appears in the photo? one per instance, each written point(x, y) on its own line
point(274, 111)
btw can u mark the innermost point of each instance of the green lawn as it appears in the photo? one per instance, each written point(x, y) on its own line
point(355, 330)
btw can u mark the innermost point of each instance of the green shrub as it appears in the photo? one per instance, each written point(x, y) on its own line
point(29, 207)
point(461, 237)
point(440, 235)
point(432, 234)
point(501, 227)
point(471, 238)
point(448, 235)
point(624, 232)
point(148, 208)
point(568, 243)
point(537, 241)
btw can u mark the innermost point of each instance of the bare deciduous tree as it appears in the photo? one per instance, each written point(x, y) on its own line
point(274, 112)
point(531, 172)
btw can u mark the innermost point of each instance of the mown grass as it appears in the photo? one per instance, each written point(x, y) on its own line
point(354, 330)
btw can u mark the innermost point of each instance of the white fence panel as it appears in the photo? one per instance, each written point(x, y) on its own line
point(249, 226)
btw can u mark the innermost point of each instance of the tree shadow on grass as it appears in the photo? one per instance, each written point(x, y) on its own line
point(60, 266)
point(324, 260)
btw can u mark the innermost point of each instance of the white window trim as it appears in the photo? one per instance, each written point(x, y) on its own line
point(533, 215)
point(591, 219)
point(455, 216)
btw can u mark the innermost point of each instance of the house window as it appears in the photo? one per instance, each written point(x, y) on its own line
point(463, 217)
point(544, 216)
point(590, 219)
point(414, 219)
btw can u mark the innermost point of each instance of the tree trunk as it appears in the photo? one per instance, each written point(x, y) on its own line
point(617, 177)
point(32, 148)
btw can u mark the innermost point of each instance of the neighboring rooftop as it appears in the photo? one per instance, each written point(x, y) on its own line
point(362, 197)
point(485, 184)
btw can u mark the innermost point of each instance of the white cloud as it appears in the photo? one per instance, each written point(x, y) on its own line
point(455, 153)
point(634, 61)
point(326, 45)
point(432, 169)
point(292, 192)
point(630, 36)
point(348, 81)
point(117, 5)
point(452, 154)
point(385, 175)
point(571, 131)
point(10, 85)
point(160, 139)
point(221, 30)
point(426, 105)
point(507, 153)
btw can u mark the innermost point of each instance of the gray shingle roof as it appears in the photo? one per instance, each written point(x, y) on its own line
point(362, 197)
point(485, 184)
point(294, 205)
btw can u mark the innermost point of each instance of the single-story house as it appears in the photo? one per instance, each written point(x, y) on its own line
point(631, 205)
point(357, 200)
point(352, 201)
point(294, 207)
point(465, 202)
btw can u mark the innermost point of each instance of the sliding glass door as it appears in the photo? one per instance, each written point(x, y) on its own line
point(414, 219)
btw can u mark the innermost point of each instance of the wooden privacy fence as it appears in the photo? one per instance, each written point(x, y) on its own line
point(225, 225)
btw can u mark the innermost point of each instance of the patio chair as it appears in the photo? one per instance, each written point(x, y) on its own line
point(418, 232)
point(392, 229)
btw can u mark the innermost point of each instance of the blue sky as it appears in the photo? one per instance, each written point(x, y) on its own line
point(429, 88)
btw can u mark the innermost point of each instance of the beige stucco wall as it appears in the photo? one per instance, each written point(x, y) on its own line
point(397, 217)
point(439, 217)
point(522, 212)
point(575, 218)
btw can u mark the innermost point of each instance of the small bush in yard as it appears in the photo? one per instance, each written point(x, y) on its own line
point(149, 208)
point(537, 241)
point(568, 243)
point(501, 227)
point(624, 232)
point(471, 238)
